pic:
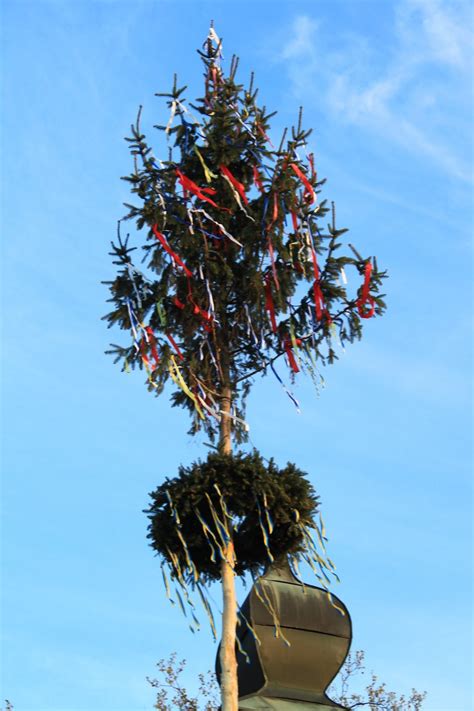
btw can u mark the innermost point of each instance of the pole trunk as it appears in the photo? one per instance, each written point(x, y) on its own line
point(229, 686)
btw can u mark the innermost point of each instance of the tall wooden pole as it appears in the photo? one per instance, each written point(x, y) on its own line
point(229, 685)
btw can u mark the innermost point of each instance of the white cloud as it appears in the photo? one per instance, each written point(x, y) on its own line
point(301, 44)
point(412, 93)
point(445, 30)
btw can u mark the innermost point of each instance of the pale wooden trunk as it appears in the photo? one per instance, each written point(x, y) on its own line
point(229, 687)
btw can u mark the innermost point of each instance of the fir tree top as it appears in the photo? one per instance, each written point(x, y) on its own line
point(233, 230)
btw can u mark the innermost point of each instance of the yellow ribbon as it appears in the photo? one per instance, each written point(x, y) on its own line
point(334, 604)
point(177, 378)
point(208, 610)
point(266, 601)
point(209, 175)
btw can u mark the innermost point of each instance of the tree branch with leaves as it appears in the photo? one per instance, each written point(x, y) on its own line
point(374, 697)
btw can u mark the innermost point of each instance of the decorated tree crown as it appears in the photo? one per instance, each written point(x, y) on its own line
point(233, 229)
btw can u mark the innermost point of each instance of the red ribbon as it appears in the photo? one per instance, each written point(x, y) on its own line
point(188, 184)
point(175, 346)
point(287, 345)
point(292, 360)
point(237, 185)
point(318, 300)
point(178, 303)
point(269, 306)
point(366, 286)
point(309, 193)
point(206, 315)
point(318, 294)
point(260, 129)
point(152, 343)
point(315, 263)
point(175, 257)
point(365, 296)
point(275, 212)
point(257, 179)
point(197, 310)
point(294, 219)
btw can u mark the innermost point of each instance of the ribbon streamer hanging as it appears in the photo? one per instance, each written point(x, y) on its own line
point(177, 378)
point(175, 345)
point(208, 174)
point(257, 179)
point(366, 297)
point(175, 257)
point(238, 186)
point(269, 305)
point(310, 196)
point(288, 346)
point(218, 224)
point(188, 185)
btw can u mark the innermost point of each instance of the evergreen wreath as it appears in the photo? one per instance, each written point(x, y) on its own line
point(231, 497)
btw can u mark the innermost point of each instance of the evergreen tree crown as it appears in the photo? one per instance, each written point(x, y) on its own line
point(239, 268)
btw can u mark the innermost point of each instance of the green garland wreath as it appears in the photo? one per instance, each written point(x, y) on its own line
point(264, 509)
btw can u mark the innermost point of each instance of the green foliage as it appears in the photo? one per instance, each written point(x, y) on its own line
point(247, 489)
point(237, 256)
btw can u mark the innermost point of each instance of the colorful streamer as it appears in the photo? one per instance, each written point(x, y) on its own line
point(175, 257)
point(208, 174)
point(258, 180)
point(175, 345)
point(188, 185)
point(177, 378)
point(310, 196)
point(269, 305)
point(366, 297)
point(239, 187)
point(288, 346)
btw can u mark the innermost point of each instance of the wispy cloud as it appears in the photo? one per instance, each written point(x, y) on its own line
point(415, 93)
point(443, 27)
point(301, 43)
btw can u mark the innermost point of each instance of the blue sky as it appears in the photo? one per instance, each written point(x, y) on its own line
point(387, 88)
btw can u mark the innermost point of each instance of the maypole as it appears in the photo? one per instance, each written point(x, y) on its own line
point(233, 227)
